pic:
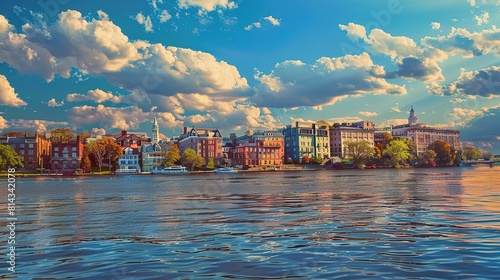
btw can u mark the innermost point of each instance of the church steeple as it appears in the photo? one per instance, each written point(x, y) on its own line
point(156, 132)
point(412, 119)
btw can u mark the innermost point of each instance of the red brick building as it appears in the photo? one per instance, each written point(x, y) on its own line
point(206, 142)
point(260, 149)
point(126, 139)
point(34, 149)
point(66, 156)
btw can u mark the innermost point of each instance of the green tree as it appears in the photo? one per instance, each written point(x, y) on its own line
point(317, 160)
point(173, 155)
point(471, 153)
point(211, 164)
point(9, 158)
point(191, 159)
point(61, 135)
point(397, 151)
point(427, 158)
point(104, 148)
point(486, 155)
point(458, 158)
point(445, 155)
point(359, 152)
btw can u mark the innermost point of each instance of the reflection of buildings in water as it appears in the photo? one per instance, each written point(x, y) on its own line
point(481, 189)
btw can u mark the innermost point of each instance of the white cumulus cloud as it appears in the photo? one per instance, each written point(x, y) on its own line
point(8, 96)
point(207, 5)
point(368, 114)
point(53, 103)
point(272, 20)
point(435, 25)
point(146, 21)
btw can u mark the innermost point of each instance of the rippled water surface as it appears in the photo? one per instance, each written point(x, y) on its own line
point(416, 223)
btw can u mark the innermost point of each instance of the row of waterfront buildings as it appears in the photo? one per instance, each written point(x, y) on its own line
point(290, 144)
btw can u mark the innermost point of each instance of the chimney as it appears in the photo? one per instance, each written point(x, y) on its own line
point(124, 132)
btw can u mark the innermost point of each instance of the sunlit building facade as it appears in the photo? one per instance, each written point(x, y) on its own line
point(423, 135)
point(341, 134)
point(205, 142)
point(306, 140)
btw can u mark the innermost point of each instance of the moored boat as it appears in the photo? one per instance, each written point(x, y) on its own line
point(225, 170)
point(171, 170)
point(126, 172)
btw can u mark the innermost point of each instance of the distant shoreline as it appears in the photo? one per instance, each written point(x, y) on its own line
point(37, 175)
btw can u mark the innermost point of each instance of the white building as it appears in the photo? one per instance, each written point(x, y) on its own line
point(423, 136)
point(129, 159)
point(349, 132)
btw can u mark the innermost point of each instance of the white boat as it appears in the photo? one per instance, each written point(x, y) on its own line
point(171, 170)
point(126, 172)
point(225, 170)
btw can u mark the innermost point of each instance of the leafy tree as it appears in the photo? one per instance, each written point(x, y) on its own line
point(84, 136)
point(306, 159)
point(61, 135)
point(9, 158)
point(317, 160)
point(377, 152)
point(16, 134)
point(359, 152)
point(386, 139)
point(412, 148)
point(445, 155)
point(104, 148)
point(458, 158)
point(211, 164)
point(398, 152)
point(427, 158)
point(173, 155)
point(191, 159)
point(486, 155)
point(471, 153)
point(86, 164)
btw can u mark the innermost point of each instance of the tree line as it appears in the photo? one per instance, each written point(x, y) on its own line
point(401, 152)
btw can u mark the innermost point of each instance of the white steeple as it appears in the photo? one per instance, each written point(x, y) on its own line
point(156, 132)
point(412, 119)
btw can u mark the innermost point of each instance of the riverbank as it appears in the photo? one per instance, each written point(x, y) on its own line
point(251, 170)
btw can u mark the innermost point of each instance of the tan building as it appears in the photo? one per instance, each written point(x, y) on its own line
point(349, 132)
point(423, 136)
point(33, 149)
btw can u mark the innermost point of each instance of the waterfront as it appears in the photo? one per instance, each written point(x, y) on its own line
point(433, 223)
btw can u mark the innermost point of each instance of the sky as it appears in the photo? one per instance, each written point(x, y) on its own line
point(235, 65)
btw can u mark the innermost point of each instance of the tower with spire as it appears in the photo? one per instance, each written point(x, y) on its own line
point(412, 119)
point(156, 132)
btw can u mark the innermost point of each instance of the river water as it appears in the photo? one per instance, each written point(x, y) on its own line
point(341, 224)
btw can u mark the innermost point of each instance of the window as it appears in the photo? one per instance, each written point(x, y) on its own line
point(30, 152)
point(21, 152)
point(21, 146)
point(73, 149)
point(30, 145)
point(73, 154)
point(56, 149)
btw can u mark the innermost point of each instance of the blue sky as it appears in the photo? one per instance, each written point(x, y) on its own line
point(237, 65)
